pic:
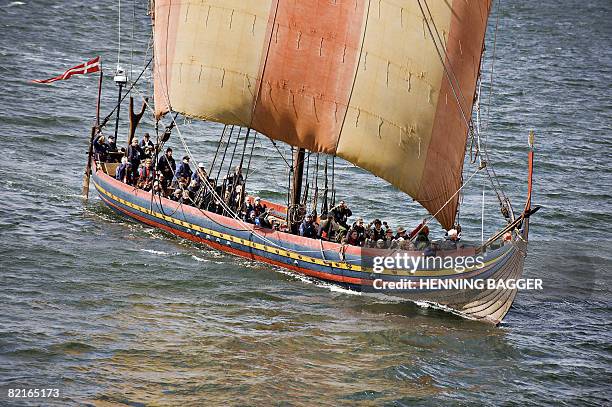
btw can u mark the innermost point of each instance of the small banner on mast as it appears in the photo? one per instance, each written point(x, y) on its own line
point(91, 66)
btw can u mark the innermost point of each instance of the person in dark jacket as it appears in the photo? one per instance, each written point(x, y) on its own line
point(360, 229)
point(134, 157)
point(167, 166)
point(248, 207)
point(112, 144)
point(234, 179)
point(263, 220)
point(422, 240)
point(123, 172)
point(184, 170)
point(114, 155)
point(352, 238)
point(251, 218)
point(328, 229)
point(341, 214)
point(147, 146)
point(401, 232)
point(377, 232)
point(100, 149)
point(233, 187)
point(200, 176)
point(259, 208)
point(308, 228)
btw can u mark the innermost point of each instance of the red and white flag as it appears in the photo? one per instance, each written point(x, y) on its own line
point(93, 65)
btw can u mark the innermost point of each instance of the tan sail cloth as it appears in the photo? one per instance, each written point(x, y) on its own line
point(357, 78)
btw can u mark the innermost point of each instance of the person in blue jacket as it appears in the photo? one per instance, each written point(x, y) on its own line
point(183, 170)
point(100, 149)
point(308, 228)
point(124, 172)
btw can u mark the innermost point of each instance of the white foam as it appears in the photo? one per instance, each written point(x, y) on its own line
point(157, 252)
point(196, 258)
point(337, 289)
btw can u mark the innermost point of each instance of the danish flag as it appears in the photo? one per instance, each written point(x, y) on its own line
point(93, 65)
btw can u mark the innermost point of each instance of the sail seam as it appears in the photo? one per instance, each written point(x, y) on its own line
point(265, 63)
point(448, 70)
point(348, 104)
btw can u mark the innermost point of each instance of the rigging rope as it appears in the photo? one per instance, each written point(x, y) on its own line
point(289, 174)
point(229, 138)
point(132, 41)
point(244, 146)
point(281, 154)
point(218, 147)
point(229, 168)
point(482, 214)
point(248, 171)
point(315, 195)
point(119, 34)
point(448, 201)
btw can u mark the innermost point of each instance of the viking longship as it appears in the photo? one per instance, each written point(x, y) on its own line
point(337, 78)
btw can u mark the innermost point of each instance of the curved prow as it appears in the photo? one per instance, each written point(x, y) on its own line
point(528, 211)
point(530, 174)
point(521, 222)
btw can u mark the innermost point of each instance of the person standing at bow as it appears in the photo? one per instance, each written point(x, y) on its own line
point(147, 146)
point(134, 157)
point(100, 149)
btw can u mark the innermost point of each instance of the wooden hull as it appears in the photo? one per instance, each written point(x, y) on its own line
point(348, 266)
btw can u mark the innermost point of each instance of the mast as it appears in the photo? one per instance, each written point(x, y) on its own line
point(120, 79)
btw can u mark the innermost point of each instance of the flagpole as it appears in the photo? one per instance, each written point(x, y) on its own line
point(94, 130)
point(99, 97)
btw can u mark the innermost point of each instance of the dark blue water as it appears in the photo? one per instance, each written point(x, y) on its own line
point(114, 313)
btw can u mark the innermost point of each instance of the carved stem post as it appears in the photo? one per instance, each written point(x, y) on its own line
point(135, 119)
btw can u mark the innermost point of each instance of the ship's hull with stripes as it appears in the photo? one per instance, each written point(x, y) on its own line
point(347, 266)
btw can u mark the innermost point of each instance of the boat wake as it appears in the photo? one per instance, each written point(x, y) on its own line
point(156, 252)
